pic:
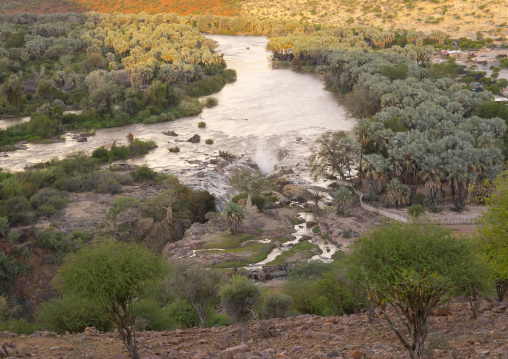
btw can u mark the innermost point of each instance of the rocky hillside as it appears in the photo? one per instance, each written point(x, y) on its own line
point(453, 334)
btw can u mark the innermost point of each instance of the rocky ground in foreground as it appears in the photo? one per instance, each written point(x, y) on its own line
point(453, 334)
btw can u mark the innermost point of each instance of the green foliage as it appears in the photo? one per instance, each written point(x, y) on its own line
point(344, 200)
point(201, 124)
point(309, 270)
point(19, 326)
point(112, 274)
point(135, 149)
point(412, 297)
point(53, 240)
point(174, 149)
point(144, 173)
point(9, 270)
point(494, 233)
point(72, 314)
point(277, 305)
point(158, 317)
point(211, 102)
point(239, 297)
point(416, 211)
point(48, 201)
point(382, 254)
point(233, 216)
point(4, 225)
point(197, 285)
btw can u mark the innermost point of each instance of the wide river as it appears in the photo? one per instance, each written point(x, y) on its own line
point(271, 116)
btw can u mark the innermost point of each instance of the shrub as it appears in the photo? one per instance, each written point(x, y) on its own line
point(239, 298)
point(309, 270)
point(183, 315)
point(19, 326)
point(18, 211)
point(14, 236)
point(52, 240)
point(143, 173)
point(259, 202)
point(277, 305)
point(72, 314)
point(415, 246)
point(209, 141)
point(157, 317)
point(174, 149)
point(211, 102)
point(344, 200)
point(416, 211)
point(239, 197)
point(49, 201)
point(417, 199)
point(233, 216)
point(201, 124)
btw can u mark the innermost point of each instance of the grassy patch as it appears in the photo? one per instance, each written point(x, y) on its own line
point(297, 220)
point(298, 253)
point(227, 240)
point(253, 254)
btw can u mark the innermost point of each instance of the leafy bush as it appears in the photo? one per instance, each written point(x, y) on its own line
point(417, 247)
point(259, 202)
point(18, 211)
point(53, 240)
point(72, 314)
point(239, 297)
point(201, 124)
point(49, 201)
point(19, 326)
point(209, 141)
point(309, 270)
point(211, 102)
point(277, 305)
point(416, 211)
point(174, 149)
point(143, 173)
point(158, 318)
point(417, 199)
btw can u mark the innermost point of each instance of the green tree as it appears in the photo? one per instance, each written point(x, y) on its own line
point(121, 204)
point(344, 200)
point(239, 297)
point(233, 215)
point(196, 284)
point(13, 90)
point(334, 153)
point(494, 233)
point(112, 274)
point(382, 254)
point(411, 299)
point(250, 181)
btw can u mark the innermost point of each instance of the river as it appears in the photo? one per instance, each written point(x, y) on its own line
point(271, 116)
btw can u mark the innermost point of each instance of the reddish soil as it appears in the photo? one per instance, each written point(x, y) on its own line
point(217, 7)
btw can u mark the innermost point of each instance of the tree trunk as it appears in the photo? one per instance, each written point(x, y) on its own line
point(360, 168)
point(131, 344)
point(501, 287)
point(248, 204)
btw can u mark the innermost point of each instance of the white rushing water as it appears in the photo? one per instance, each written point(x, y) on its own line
point(327, 248)
point(270, 116)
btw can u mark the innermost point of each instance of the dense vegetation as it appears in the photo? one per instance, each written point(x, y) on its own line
point(417, 127)
point(118, 69)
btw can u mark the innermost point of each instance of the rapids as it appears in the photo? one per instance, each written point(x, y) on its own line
point(270, 116)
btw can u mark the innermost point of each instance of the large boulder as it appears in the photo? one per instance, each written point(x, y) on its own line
point(194, 139)
point(294, 192)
